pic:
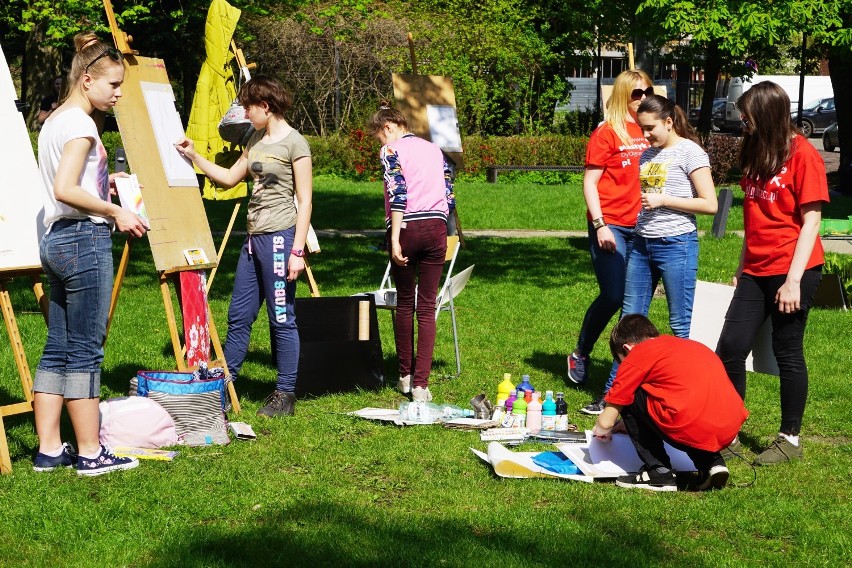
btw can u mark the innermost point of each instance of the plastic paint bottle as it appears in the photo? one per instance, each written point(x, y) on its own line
point(525, 383)
point(519, 411)
point(561, 412)
point(510, 401)
point(534, 413)
point(548, 412)
point(505, 388)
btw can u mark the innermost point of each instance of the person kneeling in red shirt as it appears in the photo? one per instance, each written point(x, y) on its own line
point(675, 390)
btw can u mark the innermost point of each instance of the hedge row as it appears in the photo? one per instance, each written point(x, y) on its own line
point(355, 155)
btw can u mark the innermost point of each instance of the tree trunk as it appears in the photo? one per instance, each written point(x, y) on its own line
point(839, 64)
point(43, 64)
point(712, 67)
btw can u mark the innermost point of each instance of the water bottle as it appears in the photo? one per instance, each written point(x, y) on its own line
point(561, 412)
point(505, 388)
point(548, 412)
point(525, 383)
point(429, 412)
point(534, 413)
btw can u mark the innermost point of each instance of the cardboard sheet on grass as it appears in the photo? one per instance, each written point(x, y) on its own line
point(392, 415)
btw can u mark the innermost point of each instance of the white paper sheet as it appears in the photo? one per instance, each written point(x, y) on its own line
point(168, 129)
point(21, 188)
point(605, 460)
point(444, 127)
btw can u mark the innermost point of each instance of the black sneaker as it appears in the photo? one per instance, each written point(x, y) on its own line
point(44, 462)
point(596, 407)
point(715, 478)
point(578, 368)
point(279, 403)
point(649, 479)
point(104, 463)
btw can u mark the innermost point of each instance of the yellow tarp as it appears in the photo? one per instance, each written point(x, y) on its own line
point(214, 93)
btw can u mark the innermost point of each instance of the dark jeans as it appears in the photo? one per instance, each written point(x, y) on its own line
point(610, 270)
point(425, 244)
point(754, 301)
point(648, 439)
point(261, 275)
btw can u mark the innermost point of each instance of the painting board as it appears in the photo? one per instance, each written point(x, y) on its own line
point(429, 104)
point(160, 103)
point(708, 316)
point(21, 189)
point(178, 219)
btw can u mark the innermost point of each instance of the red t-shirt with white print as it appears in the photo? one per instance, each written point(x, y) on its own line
point(618, 187)
point(772, 211)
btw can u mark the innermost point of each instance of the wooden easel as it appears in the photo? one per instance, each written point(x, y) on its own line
point(178, 220)
point(420, 125)
point(18, 353)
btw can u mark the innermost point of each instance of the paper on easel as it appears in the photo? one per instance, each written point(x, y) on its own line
point(130, 196)
point(519, 465)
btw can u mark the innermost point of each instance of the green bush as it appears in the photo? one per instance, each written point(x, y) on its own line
point(723, 152)
point(356, 155)
point(840, 264)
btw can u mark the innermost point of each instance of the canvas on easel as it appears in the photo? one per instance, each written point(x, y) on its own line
point(21, 229)
point(148, 120)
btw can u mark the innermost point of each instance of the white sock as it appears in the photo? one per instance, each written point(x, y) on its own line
point(55, 453)
point(792, 439)
point(95, 456)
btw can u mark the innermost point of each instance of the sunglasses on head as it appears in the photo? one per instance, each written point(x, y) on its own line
point(636, 94)
point(110, 52)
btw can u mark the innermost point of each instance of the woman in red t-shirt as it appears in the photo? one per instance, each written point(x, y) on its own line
point(781, 263)
point(611, 190)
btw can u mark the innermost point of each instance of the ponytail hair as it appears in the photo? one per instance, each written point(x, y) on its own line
point(90, 57)
point(384, 115)
point(663, 108)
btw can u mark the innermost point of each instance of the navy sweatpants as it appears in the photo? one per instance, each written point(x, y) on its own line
point(262, 275)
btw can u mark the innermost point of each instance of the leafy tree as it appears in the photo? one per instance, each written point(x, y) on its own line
point(738, 27)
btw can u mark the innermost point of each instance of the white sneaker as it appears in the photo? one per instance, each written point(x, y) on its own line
point(403, 385)
point(421, 394)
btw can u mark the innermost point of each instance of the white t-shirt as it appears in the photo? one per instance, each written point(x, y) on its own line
point(58, 130)
point(666, 170)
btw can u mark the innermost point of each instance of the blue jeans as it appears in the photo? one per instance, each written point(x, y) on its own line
point(77, 258)
point(675, 260)
point(610, 272)
point(262, 276)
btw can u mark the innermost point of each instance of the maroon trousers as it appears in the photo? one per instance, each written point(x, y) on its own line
point(424, 242)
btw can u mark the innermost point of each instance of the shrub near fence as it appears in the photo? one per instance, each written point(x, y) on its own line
point(356, 155)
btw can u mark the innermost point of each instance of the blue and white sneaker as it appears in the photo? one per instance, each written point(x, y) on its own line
point(104, 463)
point(44, 462)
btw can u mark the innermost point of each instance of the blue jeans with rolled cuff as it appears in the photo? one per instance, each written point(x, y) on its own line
point(76, 256)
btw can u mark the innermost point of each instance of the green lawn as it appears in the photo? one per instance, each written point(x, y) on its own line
point(322, 488)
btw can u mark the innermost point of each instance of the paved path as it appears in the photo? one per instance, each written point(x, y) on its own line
point(843, 246)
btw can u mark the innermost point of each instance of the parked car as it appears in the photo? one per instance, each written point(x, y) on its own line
point(718, 114)
point(817, 116)
point(830, 138)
